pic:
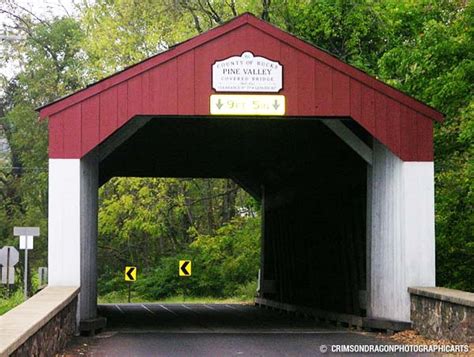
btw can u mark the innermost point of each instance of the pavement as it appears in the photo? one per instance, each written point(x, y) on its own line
point(152, 329)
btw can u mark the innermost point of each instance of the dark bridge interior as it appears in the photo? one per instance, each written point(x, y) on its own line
point(313, 187)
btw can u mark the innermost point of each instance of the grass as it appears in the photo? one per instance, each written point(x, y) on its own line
point(11, 302)
point(122, 297)
point(243, 294)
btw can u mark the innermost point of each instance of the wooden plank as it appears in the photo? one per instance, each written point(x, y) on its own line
point(134, 102)
point(381, 127)
point(342, 235)
point(259, 43)
point(56, 137)
point(71, 118)
point(156, 79)
point(367, 119)
point(146, 97)
point(408, 139)
point(185, 83)
point(90, 124)
point(355, 100)
point(352, 140)
point(424, 131)
point(393, 126)
point(277, 237)
point(353, 223)
point(289, 61)
point(164, 90)
point(340, 94)
point(323, 89)
point(122, 101)
point(108, 113)
point(204, 57)
point(306, 87)
point(284, 228)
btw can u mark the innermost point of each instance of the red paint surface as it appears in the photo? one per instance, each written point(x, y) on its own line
point(90, 123)
point(178, 82)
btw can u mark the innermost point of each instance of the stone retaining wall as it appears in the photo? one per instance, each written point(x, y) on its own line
point(40, 326)
point(53, 336)
point(441, 313)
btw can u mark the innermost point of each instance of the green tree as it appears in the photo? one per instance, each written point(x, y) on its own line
point(434, 61)
point(355, 31)
point(49, 56)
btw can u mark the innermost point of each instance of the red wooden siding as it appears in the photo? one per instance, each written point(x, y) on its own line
point(90, 123)
point(323, 89)
point(290, 79)
point(178, 82)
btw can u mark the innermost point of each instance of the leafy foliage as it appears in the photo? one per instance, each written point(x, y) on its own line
point(355, 31)
point(224, 265)
point(435, 63)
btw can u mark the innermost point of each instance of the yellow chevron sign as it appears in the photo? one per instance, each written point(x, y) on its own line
point(184, 268)
point(130, 273)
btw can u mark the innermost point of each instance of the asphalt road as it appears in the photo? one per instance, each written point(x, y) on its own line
point(211, 330)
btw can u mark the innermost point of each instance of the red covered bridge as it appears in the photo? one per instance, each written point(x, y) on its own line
point(343, 164)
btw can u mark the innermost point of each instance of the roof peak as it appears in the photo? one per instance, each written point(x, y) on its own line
point(233, 24)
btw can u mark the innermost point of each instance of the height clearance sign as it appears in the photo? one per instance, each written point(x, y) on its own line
point(250, 74)
point(234, 104)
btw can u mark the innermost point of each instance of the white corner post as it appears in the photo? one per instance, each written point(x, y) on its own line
point(72, 221)
point(401, 239)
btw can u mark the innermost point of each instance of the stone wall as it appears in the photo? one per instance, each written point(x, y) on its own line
point(53, 336)
point(440, 313)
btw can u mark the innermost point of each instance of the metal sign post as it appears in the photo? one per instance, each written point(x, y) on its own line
point(26, 235)
point(25, 274)
point(43, 276)
point(130, 277)
point(8, 271)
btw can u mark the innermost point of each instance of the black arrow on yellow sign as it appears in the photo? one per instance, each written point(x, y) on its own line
point(184, 268)
point(130, 273)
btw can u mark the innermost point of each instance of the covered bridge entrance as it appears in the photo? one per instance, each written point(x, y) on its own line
point(342, 163)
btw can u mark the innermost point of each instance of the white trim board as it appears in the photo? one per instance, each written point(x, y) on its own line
point(346, 135)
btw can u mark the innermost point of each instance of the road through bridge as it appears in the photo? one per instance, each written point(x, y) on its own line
point(184, 329)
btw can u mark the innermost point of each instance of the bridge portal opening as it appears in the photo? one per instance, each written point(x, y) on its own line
point(311, 186)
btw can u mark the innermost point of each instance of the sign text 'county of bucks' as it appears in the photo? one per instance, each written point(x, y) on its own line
point(247, 73)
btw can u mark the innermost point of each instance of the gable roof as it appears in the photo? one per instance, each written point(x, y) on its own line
point(316, 84)
point(246, 18)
